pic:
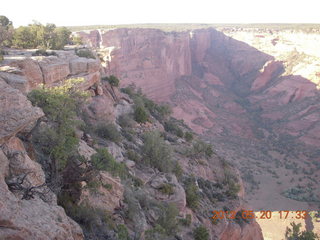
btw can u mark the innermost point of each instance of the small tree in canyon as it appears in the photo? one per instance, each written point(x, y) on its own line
point(57, 138)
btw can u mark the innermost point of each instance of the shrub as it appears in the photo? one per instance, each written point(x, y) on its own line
point(159, 111)
point(140, 114)
point(132, 155)
point(168, 218)
point(155, 233)
point(103, 160)
point(114, 81)
point(156, 152)
point(201, 233)
point(95, 222)
point(296, 234)
point(76, 40)
point(188, 136)
point(93, 186)
point(233, 189)
point(128, 90)
point(166, 188)
point(177, 170)
point(126, 121)
point(171, 126)
point(85, 53)
point(109, 132)
point(200, 149)
point(122, 232)
point(192, 196)
point(137, 182)
point(6, 32)
point(230, 180)
point(186, 221)
point(60, 106)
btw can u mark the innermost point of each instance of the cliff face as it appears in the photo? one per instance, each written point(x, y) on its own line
point(213, 66)
point(166, 57)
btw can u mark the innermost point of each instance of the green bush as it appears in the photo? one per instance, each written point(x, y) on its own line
point(76, 40)
point(114, 81)
point(133, 155)
point(140, 114)
point(201, 233)
point(128, 90)
point(166, 188)
point(188, 136)
point(95, 222)
point(85, 53)
point(177, 170)
point(126, 121)
point(155, 233)
point(200, 149)
point(159, 111)
point(122, 232)
point(233, 189)
point(294, 233)
point(41, 36)
point(93, 186)
point(192, 195)
point(168, 219)
point(103, 160)
point(186, 221)
point(108, 131)
point(171, 126)
point(156, 152)
point(230, 180)
point(60, 106)
point(6, 32)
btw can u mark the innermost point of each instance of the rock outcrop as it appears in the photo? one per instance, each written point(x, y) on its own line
point(22, 218)
point(16, 112)
point(27, 72)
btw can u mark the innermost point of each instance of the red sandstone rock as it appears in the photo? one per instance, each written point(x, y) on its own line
point(270, 71)
point(16, 112)
point(107, 199)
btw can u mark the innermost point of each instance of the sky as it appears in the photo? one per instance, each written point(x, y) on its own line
point(110, 12)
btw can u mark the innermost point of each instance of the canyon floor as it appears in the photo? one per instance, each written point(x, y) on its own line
point(269, 173)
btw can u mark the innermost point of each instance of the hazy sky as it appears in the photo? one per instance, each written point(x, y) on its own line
point(70, 12)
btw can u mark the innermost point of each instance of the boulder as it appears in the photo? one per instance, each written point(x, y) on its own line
point(16, 112)
point(32, 219)
point(107, 196)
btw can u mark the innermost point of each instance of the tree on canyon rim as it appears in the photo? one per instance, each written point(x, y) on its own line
point(6, 32)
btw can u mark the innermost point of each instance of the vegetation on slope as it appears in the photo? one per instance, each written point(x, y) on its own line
point(155, 151)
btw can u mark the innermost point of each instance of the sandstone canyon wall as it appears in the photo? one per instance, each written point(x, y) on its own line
point(257, 102)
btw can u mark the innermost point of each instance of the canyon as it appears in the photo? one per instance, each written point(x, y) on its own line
point(29, 207)
point(253, 93)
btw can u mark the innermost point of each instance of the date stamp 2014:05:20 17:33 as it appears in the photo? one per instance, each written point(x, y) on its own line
point(249, 214)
